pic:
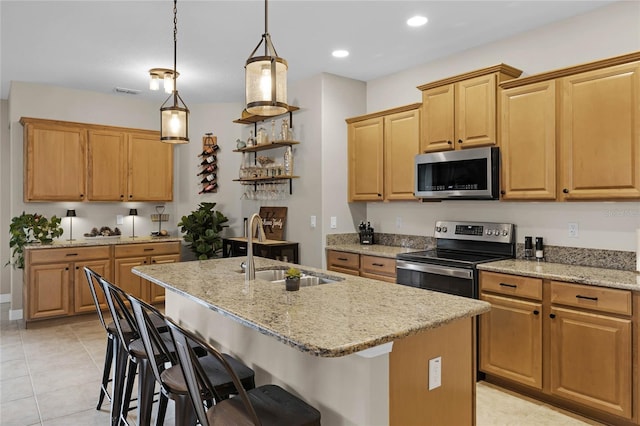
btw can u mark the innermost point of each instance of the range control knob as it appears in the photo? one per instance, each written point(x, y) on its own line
point(505, 232)
point(438, 229)
point(489, 232)
point(444, 229)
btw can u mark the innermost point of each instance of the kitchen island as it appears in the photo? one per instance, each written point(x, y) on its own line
point(356, 349)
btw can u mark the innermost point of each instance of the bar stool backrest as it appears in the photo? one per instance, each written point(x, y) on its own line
point(93, 279)
point(195, 377)
point(116, 300)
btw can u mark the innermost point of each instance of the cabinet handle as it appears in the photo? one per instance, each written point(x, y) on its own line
point(344, 259)
point(579, 296)
point(71, 254)
point(153, 261)
point(503, 192)
point(536, 312)
point(66, 269)
point(81, 195)
point(377, 264)
point(149, 249)
point(379, 195)
point(459, 140)
point(566, 191)
point(449, 142)
point(77, 267)
point(508, 285)
point(121, 195)
point(144, 261)
point(552, 316)
point(130, 196)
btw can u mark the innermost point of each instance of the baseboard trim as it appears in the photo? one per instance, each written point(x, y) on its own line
point(15, 314)
point(5, 298)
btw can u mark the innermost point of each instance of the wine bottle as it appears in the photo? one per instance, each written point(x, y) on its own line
point(209, 188)
point(209, 178)
point(210, 149)
point(210, 168)
point(210, 159)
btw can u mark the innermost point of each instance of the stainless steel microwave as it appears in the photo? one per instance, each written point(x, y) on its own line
point(468, 174)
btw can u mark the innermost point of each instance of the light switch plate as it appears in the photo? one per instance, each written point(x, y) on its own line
point(119, 219)
point(574, 230)
point(435, 373)
point(334, 222)
point(313, 221)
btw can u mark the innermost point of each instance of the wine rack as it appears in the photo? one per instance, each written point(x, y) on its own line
point(208, 174)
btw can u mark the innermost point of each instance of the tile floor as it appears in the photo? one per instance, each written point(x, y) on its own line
point(35, 391)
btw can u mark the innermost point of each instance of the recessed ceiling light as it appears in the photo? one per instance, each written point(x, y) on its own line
point(417, 21)
point(340, 53)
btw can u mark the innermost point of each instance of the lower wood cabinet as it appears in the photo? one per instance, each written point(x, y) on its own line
point(55, 284)
point(375, 267)
point(570, 344)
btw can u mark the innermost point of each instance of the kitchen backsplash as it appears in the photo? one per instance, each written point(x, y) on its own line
point(599, 258)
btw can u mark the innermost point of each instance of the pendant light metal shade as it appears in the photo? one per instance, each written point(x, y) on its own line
point(174, 117)
point(266, 78)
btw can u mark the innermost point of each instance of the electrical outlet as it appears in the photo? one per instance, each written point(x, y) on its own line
point(119, 219)
point(313, 221)
point(398, 222)
point(435, 373)
point(334, 222)
point(573, 230)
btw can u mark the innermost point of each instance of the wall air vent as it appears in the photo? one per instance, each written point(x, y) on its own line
point(126, 91)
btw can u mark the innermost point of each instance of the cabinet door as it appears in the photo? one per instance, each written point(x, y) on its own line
point(511, 340)
point(48, 293)
point(54, 162)
point(600, 140)
point(82, 299)
point(528, 142)
point(476, 112)
point(401, 145)
point(150, 176)
point(366, 160)
point(156, 292)
point(127, 280)
point(347, 263)
point(107, 166)
point(591, 360)
point(438, 119)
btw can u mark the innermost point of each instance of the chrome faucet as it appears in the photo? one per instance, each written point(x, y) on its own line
point(250, 270)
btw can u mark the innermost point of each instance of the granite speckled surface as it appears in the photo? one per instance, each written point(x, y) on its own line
point(328, 320)
point(598, 258)
point(626, 280)
point(98, 242)
point(373, 249)
point(399, 240)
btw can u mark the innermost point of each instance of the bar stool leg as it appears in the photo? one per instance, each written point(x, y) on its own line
point(108, 360)
point(146, 385)
point(121, 359)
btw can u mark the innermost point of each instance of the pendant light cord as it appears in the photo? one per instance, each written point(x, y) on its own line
point(175, 45)
point(266, 29)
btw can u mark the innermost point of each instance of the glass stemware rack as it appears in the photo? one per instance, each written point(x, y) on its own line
point(263, 171)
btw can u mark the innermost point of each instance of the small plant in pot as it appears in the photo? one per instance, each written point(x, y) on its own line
point(29, 228)
point(292, 279)
point(202, 230)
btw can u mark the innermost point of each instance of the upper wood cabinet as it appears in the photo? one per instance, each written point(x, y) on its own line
point(382, 147)
point(600, 134)
point(54, 161)
point(460, 112)
point(574, 133)
point(528, 142)
point(67, 161)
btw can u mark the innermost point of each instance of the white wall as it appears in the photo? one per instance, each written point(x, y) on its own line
point(606, 32)
point(5, 272)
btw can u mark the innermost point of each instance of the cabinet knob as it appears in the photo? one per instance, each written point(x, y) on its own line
point(566, 191)
point(66, 269)
point(153, 261)
point(130, 196)
point(144, 261)
point(536, 312)
point(449, 142)
point(77, 267)
point(379, 195)
point(121, 195)
point(552, 316)
point(81, 195)
point(503, 192)
point(459, 140)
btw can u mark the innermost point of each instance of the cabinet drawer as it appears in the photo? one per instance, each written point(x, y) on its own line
point(68, 254)
point(513, 285)
point(343, 259)
point(147, 249)
point(378, 265)
point(590, 297)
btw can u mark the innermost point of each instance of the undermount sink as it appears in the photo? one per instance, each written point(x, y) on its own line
point(306, 279)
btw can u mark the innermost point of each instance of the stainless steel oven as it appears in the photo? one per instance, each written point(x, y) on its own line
point(450, 267)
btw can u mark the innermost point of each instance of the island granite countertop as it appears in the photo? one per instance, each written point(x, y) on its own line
point(329, 320)
point(602, 277)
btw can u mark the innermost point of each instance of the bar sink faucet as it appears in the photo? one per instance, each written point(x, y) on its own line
point(250, 270)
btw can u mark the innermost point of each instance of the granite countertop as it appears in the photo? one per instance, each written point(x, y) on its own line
point(613, 278)
point(264, 242)
point(328, 320)
point(372, 249)
point(81, 242)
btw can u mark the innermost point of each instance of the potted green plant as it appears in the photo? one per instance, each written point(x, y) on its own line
point(202, 230)
point(292, 279)
point(29, 228)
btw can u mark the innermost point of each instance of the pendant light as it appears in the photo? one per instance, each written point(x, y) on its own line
point(266, 78)
point(174, 119)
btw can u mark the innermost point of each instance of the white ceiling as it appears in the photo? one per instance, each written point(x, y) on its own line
point(99, 45)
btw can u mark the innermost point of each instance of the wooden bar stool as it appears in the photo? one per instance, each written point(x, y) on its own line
point(267, 405)
point(160, 349)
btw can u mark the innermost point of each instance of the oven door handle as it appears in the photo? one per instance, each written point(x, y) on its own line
point(435, 269)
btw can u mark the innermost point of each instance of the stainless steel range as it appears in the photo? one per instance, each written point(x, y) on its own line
point(460, 246)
